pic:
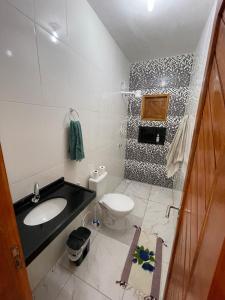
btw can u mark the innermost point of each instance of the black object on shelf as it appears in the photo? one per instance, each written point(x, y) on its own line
point(78, 245)
point(152, 135)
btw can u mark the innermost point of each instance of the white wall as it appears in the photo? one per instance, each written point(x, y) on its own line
point(41, 77)
point(196, 85)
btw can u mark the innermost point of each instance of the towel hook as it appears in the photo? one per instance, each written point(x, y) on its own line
point(71, 113)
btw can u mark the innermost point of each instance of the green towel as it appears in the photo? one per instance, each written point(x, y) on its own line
point(76, 148)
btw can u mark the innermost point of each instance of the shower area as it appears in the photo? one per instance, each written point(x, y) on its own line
point(147, 162)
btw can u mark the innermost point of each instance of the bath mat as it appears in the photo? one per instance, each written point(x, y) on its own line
point(142, 269)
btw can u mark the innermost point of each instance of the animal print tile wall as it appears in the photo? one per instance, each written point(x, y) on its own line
point(171, 75)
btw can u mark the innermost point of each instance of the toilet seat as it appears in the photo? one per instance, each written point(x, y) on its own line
point(118, 203)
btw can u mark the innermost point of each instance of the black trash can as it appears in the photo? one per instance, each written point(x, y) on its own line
point(78, 245)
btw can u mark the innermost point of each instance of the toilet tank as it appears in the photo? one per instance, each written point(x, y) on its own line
point(99, 185)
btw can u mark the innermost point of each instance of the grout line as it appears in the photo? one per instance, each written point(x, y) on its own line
point(38, 173)
point(87, 283)
point(62, 287)
point(38, 60)
point(34, 104)
point(21, 12)
point(159, 202)
point(35, 22)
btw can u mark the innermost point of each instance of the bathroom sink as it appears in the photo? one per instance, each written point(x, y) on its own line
point(45, 211)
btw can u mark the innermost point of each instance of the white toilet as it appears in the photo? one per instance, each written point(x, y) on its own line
point(115, 207)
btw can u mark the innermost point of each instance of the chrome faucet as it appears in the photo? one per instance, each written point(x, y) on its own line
point(36, 196)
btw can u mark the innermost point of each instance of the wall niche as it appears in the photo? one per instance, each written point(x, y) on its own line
point(154, 107)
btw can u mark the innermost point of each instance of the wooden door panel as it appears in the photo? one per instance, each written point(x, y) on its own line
point(187, 217)
point(200, 157)
point(210, 164)
point(187, 251)
point(14, 283)
point(212, 241)
point(178, 271)
point(183, 255)
point(194, 211)
point(220, 50)
point(217, 290)
point(223, 16)
point(217, 110)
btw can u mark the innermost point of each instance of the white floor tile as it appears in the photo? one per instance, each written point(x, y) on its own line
point(138, 189)
point(122, 186)
point(177, 197)
point(123, 236)
point(155, 222)
point(103, 266)
point(161, 195)
point(139, 207)
point(76, 289)
point(130, 294)
point(50, 286)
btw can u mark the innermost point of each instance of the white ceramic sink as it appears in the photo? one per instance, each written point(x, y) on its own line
point(45, 211)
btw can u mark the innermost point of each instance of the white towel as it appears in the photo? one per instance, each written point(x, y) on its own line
point(175, 155)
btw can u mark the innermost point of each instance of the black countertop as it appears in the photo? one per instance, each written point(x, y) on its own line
point(35, 238)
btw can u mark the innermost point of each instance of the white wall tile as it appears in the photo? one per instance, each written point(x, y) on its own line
point(52, 15)
point(32, 138)
point(19, 75)
point(55, 61)
point(25, 6)
point(26, 186)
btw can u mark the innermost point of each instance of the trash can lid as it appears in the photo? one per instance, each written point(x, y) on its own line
point(78, 237)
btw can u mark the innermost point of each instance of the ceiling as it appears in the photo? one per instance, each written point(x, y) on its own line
point(173, 27)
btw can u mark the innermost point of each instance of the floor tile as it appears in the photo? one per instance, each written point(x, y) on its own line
point(51, 284)
point(76, 289)
point(130, 294)
point(103, 266)
point(138, 189)
point(122, 186)
point(177, 197)
point(139, 207)
point(161, 195)
point(123, 236)
point(155, 222)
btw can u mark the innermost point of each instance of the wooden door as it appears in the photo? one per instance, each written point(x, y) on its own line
point(197, 265)
point(14, 283)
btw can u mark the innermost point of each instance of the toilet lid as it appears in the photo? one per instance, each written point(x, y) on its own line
point(118, 202)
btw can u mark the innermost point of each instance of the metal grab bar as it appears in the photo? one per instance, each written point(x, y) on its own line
point(169, 207)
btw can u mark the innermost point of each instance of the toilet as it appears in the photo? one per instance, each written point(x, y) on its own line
point(114, 207)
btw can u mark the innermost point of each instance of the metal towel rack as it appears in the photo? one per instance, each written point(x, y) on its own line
point(72, 110)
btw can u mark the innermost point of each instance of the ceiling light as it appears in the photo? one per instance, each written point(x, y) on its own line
point(54, 39)
point(55, 34)
point(9, 53)
point(150, 5)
